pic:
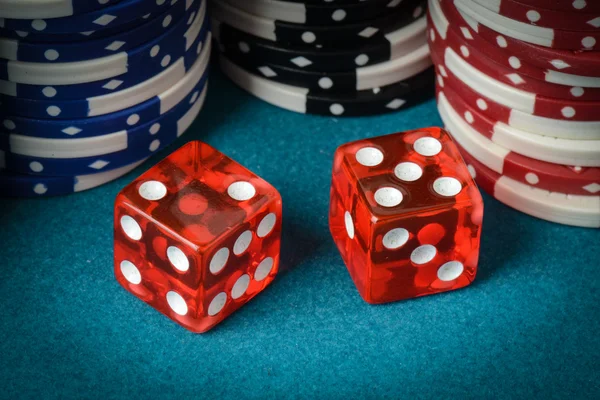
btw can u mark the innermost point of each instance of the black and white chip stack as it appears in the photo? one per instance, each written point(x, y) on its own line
point(89, 89)
point(328, 57)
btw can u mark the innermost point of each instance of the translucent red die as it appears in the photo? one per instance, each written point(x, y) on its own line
point(405, 215)
point(197, 236)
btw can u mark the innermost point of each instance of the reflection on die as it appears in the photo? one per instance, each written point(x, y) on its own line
point(405, 215)
point(197, 236)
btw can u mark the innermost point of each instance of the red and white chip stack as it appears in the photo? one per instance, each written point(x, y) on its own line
point(518, 87)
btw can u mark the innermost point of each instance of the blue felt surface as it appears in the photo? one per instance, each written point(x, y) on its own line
point(528, 328)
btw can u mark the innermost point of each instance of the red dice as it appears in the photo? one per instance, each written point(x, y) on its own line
point(197, 236)
point(405, 215)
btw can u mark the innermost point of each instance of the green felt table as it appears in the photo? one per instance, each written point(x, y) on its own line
point(527, 328)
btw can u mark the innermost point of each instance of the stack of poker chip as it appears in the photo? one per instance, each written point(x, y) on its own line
point(518, 86)
point(341, 58)
point(89, 89)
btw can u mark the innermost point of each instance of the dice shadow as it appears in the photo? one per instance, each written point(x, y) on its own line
point(297, 246)
point(504, 230)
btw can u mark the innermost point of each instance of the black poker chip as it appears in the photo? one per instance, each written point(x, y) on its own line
point(360, 78)
point(386, 99)
point(321, 13)
point(393, 45)
point(332, 36)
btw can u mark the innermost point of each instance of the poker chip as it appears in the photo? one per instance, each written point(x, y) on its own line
point(316, 14)
point(144, 61)
point(44, 37)
point(397, 43)
point(118, 13)
point(370, 77)
point(520, 75)
point(325, 1)
point(491, 114)
point(32, 9)
point(333, 58)
point(562, 61)
point(544, 175)
point(518, 96)
point(22, 50)
point(81, 108)
point(537, 62)
point(77, 147)
point(558, 19)
point(575, 6)
point(524, 82)
point(509, 96)
point(141, 143)
point(21, 185)
point(375, 101)
point(117, 121)
point(546, 37)
point(582, 211)
point(101, 88)
point(540, 147)
point(100, 105)
point(516, 118)
point(320, 36)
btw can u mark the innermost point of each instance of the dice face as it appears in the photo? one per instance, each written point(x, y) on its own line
point(197, 236)
point(405, 215)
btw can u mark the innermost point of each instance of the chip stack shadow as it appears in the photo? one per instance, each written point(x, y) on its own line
point(335, 58)
point(518, 87)
point(89, 89)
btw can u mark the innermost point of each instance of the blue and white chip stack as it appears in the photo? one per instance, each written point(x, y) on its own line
point(89, 89)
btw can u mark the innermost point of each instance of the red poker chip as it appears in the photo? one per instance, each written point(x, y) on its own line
point(488, 59)
point(570, 62)
point(527, 102)
point(554, 207)
point(547, 37)
point(475, 106)
point(576, 6)
point(538, 16)
point(577, 130)
point(547, 176)
point(528, 144)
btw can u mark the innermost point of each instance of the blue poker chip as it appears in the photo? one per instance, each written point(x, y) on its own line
point(101, 105)
point(143, 61)
point(31, 9)
point(9, 90)
point(117, 14)
point(22, 185)
point(42, 37)
point(21, 50)
point(121, 120)
point(109, 142)
point(142, 142)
